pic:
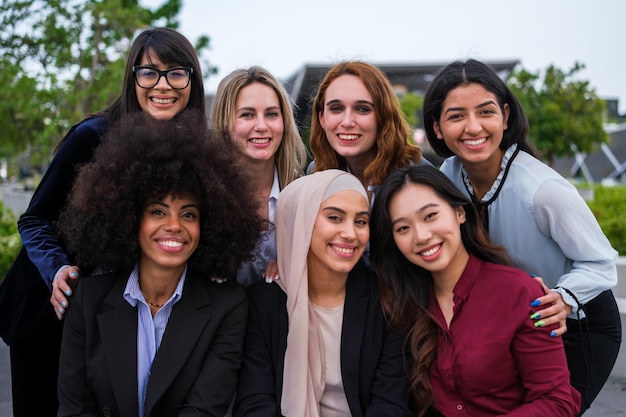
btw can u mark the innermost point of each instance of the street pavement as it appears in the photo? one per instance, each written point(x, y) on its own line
point(5, 382)
point(610, 403)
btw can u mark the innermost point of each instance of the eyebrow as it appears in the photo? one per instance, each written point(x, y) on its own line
point(161, 203)
point(342, 211)
point(419, 210)
point(254, 109)
point(486, 103)
point(334, 101)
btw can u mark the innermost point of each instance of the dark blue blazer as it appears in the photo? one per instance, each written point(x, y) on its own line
point(194, 372)
point(371, 352)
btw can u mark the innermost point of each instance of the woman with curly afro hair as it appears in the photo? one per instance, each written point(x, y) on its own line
point(155, 211)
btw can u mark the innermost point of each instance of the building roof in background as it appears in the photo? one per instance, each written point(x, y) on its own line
point(408, 77)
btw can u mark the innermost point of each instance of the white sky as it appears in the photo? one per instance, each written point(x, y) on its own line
point(283, 35)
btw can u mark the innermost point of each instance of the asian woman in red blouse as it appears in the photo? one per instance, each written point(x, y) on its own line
point(465, 309)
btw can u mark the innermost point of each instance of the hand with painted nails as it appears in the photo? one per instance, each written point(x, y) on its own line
point(62, 288)
point(271, 272)
point(555, 310)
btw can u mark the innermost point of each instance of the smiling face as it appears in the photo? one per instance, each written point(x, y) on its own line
point(258, 127)
point(340, 234)
point(162, 102)
point(349, 118)
point(472, 125)
point(169, 233)
point(427, 231)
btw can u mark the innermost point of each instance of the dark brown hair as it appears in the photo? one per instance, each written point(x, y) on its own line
point(141, 159)
point(405, 287)
point(461, 73)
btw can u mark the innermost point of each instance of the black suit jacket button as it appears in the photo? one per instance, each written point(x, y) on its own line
point(106, 412)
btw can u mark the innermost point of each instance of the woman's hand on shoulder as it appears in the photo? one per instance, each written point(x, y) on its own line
point(553, 310)
point(271, 272)
point(64, 282)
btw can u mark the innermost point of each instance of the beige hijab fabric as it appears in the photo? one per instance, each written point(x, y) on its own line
point(296, 212)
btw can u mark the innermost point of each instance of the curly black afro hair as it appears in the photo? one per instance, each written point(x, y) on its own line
point(141, 159)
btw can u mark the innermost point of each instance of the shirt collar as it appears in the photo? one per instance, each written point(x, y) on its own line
point(133, 294)
point(467, 280)
point(271, 203)
point(496, 184)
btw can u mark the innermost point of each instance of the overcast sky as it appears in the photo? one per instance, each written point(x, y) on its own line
point(283, 35)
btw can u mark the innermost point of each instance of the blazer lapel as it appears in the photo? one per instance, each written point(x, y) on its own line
point(355, 313)
point(118, 330)
point(184, 327)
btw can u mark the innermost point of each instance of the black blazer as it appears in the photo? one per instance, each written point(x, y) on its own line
point(194, 371)
point(371, 352)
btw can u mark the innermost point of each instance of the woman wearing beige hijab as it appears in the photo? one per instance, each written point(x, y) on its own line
point(317, 343)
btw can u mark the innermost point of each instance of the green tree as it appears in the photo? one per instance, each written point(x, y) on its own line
point(564, 113)
point(10, 241)
point(411, 106)
point(63, 59)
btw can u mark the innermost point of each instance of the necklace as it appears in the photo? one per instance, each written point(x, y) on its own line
point(153, 304)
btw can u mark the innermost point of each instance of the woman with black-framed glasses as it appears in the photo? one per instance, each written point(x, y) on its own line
point(177, 78)
point(43, 272)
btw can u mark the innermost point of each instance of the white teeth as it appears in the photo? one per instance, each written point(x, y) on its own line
point(348, 137)
point(475, 142)
point(260, 140)
point(430, 252)
point(163, 100)
point(171, 244)
point(347, 251)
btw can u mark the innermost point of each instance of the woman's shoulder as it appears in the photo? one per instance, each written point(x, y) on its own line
point(509, 277)
point(451, 166)
point(268, 302)
point(102, 279)
point(96, 288)
point(534, 168)
point(215, 286)
point(261, 292)
point(86, 134)
point(94, 125)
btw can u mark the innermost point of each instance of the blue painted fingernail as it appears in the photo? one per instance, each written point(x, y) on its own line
point(73, 274)
point(535, 316)
point(553, 333)
point(69, 292)
point(535, 303)
point(533, 275)
point(60, 310)
point(64, 304)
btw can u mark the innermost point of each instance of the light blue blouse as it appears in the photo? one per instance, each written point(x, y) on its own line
point(546, 227)
point(150, 329)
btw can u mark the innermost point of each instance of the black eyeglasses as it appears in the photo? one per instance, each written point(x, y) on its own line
point(177, 78)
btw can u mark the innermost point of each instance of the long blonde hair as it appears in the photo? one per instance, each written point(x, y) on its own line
point(291, 155)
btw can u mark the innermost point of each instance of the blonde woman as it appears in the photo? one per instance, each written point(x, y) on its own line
point(254, 111)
